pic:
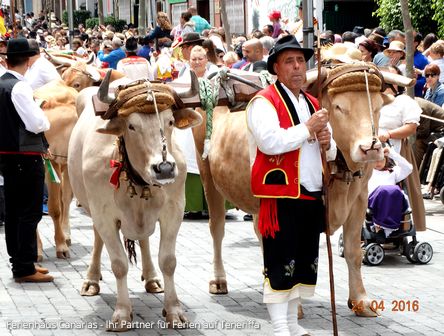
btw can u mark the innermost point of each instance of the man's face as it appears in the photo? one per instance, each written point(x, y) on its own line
point(3, 48)
point(290, 68)
point(186, 50)
point(250, 53)
point(266, 31)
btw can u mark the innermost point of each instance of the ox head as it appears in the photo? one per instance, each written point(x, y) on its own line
point(77, 73)
point(147, 135)
point(353, 100)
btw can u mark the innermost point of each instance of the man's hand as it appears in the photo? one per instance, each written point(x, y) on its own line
point(324, 137)
point(317, 122)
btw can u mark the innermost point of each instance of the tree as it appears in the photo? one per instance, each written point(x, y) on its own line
point(437, 6)
point(408, 28)
point(225, 23)
point(422, 14)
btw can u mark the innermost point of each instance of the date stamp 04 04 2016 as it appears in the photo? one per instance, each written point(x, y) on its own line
point(395, 306)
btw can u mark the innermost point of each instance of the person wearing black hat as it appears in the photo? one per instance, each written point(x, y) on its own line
point(286, 131)
point(188, 42)
point(133, 66)
point(22, 143)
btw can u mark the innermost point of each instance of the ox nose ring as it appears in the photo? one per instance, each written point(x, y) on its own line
point(164, 170)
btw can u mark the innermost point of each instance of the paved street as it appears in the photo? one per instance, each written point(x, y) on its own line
point(58, 309)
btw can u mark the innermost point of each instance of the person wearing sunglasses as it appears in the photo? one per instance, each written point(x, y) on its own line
point(435, 89)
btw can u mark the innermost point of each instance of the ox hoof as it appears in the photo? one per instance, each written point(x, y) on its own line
point(153, 286)
point(63, 254)
point(218, 287)
point(68, 242)
point(175, 320)
point(90, 288)
point(300, 312)
point(40, 258)
point(119, 321)
point(363, 308)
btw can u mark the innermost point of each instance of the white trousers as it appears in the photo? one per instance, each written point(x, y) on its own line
point(284, 318)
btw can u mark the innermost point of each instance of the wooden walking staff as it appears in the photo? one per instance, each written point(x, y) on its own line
point(326, 181)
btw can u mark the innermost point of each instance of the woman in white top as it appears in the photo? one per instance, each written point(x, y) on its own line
point(399, 120)
point(194, 195)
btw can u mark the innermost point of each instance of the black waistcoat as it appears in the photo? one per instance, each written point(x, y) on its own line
point(13, 135)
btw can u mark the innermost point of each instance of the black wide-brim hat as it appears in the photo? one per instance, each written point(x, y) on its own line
point(191, 38)
point(287, 42)
point(19, 47)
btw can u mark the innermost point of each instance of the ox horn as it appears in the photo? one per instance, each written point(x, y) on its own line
point(91, 58)
point(396, 79)
point(103, 94)
point(194, 89)
point(63, 61)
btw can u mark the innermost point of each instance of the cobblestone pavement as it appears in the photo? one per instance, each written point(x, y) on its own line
point(58, 309)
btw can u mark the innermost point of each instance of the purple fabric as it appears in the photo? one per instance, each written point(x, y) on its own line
point(276, 30)
point(387, 203)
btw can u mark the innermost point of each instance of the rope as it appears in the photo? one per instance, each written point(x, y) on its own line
point(209, 95)
point(370, 105)
point(151, 96)
point(266, 78)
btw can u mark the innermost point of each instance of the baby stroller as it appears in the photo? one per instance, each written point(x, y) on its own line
point(432, 167)
point(375, 244)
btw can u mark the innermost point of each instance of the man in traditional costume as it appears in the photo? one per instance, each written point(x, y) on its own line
point(286, 134)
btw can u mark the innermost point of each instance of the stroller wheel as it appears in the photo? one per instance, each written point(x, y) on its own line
point(341, 246)
point(409, 252)
point(423, 253)
point(374, 254)
point(441, 195)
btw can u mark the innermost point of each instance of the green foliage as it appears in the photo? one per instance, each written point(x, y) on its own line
point(116, 23)
point(422, 13)
point(91, 23)
point(79, 16)
point(438, 6)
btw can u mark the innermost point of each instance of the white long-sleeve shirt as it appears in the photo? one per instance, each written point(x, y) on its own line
point(399, 172)
point(41, 72)
point(29, 111)
point(266, 134)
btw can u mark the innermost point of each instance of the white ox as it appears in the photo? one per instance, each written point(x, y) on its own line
point(92, 146)
point(226, 174)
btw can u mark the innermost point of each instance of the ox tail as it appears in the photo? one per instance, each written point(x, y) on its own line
point(130, 247)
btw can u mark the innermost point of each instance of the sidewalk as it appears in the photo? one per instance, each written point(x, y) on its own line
point(58, 309)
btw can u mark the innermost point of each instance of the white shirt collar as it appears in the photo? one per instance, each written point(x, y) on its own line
point(16, 74)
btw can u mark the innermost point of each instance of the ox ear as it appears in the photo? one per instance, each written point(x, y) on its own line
point(186, 118)
point(387, 99)
point(115, 126)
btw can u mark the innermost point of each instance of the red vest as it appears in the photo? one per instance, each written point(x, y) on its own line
point(277, 176)
point(282, 168)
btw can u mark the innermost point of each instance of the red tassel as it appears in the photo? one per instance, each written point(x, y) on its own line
point(114, 180)
point(268, 220)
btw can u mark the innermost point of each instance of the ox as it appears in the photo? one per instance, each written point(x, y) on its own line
point(154, 169)
point(59, 106)
point(226, 172)
point(80, 74)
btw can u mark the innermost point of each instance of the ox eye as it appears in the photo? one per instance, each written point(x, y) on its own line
point(131, 127)
point(171, 123)
point(337, 108)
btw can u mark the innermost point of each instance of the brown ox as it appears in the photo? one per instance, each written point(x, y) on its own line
point(226, 173)
point(154, 173)
point(80, 74)
point(59, 107)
